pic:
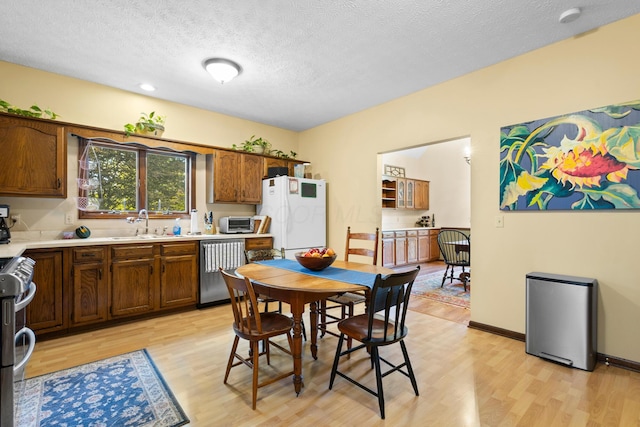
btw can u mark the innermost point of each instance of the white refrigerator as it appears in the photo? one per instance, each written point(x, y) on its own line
point(297, 207)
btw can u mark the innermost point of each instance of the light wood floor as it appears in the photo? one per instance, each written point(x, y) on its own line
point(466, 377)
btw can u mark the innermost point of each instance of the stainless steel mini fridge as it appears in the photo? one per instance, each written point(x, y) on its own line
point(561, 319)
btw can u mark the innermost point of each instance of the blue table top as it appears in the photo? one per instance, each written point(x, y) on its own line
point(333, 273)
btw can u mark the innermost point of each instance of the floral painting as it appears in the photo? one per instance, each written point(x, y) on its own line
point(584, 160)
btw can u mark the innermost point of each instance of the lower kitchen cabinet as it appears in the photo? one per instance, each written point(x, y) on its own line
point(388, 249)
point(412, 247)
point(46, 312)
point(409, 247)
point(179, 274)
point(133, 280)
point(89, 285)
point(401, 248)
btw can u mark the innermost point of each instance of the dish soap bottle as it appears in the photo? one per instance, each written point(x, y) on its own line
point(176, 228)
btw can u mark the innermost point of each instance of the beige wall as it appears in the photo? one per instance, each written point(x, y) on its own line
point(591, 70)
point(91, 104)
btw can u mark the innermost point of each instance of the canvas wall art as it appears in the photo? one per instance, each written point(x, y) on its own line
point(580, 161)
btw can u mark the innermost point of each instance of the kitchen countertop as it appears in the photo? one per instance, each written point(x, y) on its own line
point(410, 228)
point(17, 247)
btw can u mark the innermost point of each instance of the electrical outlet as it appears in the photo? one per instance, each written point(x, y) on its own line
point(15, 218)
point(499, 221)
point(68, 219)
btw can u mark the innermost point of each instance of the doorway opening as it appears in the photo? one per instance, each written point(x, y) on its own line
point(446, 167)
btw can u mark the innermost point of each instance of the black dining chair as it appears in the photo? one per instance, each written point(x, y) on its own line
point(383, 325)
point(455, 247)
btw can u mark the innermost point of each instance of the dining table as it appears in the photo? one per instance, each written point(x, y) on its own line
point(287, 281)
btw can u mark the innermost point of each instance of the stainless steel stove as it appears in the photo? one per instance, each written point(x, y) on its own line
point(16, 292)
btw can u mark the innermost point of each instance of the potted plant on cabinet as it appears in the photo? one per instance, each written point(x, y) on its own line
point(254, 145)
point(148, 124)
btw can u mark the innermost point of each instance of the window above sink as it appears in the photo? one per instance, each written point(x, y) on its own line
point(132, 178)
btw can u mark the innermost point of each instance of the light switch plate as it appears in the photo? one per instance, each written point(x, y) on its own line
point(68, 219)
point(499, 221)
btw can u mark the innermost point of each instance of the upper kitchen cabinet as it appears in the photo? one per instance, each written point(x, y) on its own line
point(234, 177)
point(389, 193)
point(421, 195)
point(34, 155)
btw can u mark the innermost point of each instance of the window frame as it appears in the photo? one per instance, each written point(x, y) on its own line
point(141, 167)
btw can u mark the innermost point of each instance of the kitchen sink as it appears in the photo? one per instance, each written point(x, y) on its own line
point(140, 237)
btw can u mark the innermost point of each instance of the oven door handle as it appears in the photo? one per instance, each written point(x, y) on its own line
point(32, 345)
point(27, 299)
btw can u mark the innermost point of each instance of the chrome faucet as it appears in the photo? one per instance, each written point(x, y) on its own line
point(143, 214)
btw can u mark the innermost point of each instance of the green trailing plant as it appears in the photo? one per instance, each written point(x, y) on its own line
point(33, 111)
point(151, 122)
point(283, 155)
point(252, 143)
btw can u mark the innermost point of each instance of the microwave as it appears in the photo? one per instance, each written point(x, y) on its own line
point(236, 224)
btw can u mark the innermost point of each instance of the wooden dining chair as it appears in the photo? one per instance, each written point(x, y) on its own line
point(251, 325)
point(346, 302)
point(253, 255)
point(383, 325)
point(455, 247)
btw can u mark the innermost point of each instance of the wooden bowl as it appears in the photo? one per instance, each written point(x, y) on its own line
point(315, 263)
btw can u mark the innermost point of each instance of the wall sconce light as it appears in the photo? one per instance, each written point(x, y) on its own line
point(467, 155)
point(222, 69)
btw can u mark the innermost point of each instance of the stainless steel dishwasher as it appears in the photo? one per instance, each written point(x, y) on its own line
point(228, 254)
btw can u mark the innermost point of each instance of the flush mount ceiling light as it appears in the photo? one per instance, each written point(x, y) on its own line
point(570, 15)
point(221, 69)
point(146, 86)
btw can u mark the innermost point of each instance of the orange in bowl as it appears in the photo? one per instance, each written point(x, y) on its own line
point(315, 263)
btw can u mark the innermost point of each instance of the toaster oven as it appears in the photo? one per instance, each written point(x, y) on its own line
point(236, 224)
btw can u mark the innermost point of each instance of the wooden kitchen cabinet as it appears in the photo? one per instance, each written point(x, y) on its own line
point(234, 177)
point(388, 249)
point(421, 195)
point(412, 247)
point(89, 285)
point(46, 312)
point(179, 274)
point(133, 280)
point(401, 193)
point(410, 194)
point(424, 246)
point(389, 193)
point(434, 249)
point(258, 243)
point(400, 248)
point(35, 151)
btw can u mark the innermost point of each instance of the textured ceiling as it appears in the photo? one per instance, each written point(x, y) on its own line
point(305, 62)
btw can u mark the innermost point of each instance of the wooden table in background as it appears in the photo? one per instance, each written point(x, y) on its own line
point(298, 289)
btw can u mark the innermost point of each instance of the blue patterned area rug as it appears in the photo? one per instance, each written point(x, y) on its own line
point(125, 390)
point(428, 286)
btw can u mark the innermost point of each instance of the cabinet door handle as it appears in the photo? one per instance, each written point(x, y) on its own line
point(163, 268)
point(151, 269)
point(100, 274)
point(59, 183)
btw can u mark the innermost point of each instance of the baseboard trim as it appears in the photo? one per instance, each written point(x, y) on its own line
point(631, 365)
point(618, 362)
point(496, 331)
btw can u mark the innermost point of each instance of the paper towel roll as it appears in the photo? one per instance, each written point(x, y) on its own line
point(194, 222)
